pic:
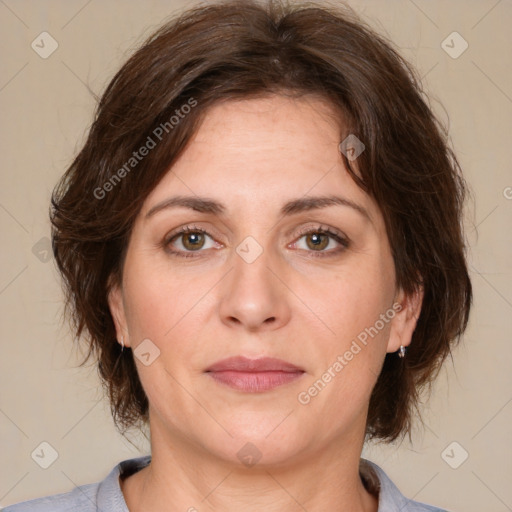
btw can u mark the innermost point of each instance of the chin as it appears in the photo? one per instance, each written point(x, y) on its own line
point(263, 442)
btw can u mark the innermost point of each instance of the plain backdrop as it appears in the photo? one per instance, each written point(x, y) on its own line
point(462, 460)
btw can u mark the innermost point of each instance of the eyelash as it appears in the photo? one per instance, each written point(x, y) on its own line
point(338, 237)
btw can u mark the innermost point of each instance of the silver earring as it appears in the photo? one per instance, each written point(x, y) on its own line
point(401, 351)
point(122, 343)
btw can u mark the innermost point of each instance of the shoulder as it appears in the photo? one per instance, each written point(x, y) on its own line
point(81, 499)
point(390, 497)
point(104, 495)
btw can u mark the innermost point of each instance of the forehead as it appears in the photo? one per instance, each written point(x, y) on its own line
point(264, 127)
point(263, 151)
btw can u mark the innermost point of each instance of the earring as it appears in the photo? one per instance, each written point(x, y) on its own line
point(401, 351)
point(122, 343)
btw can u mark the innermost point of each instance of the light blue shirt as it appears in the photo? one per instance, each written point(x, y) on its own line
point(106, 496)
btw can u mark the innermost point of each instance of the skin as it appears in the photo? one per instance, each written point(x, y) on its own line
point(254, 156)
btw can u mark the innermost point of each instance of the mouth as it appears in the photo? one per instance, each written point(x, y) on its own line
point(254, 375)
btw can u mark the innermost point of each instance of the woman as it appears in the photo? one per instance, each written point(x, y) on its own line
point(261, 241)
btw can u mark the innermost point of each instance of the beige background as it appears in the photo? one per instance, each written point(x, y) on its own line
point(47, 106)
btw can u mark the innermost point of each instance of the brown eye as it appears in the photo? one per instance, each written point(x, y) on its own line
point(189, 240)
point(322, 242)
point(193, 240)
point(317, 241)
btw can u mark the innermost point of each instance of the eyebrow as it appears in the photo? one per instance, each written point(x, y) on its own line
point(206, 205)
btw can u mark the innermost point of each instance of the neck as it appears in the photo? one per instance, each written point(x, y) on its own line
point(184, 477)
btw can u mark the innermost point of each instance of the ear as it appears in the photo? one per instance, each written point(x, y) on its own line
point(117, 310)
point(408, 309)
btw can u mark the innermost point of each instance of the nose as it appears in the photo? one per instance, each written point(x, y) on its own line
point(253, 297)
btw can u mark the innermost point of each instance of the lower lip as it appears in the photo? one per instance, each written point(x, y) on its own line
point(254, 382)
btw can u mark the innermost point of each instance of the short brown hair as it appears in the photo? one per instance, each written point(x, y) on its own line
point(245, 49)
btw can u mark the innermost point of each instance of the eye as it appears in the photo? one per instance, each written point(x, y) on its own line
point(323, 241)
point(188, 240)
point(319, 242)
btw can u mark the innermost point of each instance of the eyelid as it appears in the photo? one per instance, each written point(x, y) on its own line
point(211, 232)
point(322, 228)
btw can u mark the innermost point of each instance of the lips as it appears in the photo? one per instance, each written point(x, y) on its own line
point(244, 364)
point(254, 375)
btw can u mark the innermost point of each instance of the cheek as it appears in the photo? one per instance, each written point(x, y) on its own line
point(171, 310)
point(357, 308)
point(158, 299)
point(147, 308)
point(355, 298)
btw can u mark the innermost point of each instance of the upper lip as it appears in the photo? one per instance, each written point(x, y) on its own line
point(244, 364)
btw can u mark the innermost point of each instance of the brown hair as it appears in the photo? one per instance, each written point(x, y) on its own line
point(243, 49)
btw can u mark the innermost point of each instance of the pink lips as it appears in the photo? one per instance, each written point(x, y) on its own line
point(254, 375)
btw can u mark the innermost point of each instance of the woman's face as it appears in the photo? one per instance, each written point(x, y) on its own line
point(256, 277)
